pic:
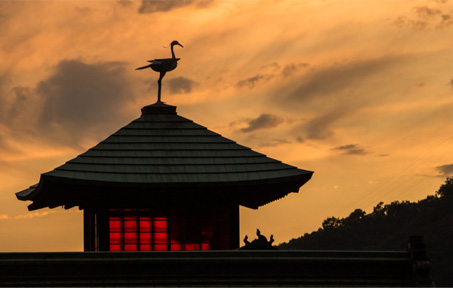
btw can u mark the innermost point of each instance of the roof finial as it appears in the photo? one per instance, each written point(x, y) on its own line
point(163, 66)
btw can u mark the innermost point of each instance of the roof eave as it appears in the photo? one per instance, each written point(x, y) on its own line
point(72, 192)
point(27, 194)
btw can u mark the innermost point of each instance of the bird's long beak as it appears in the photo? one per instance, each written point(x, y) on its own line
point(180, 45)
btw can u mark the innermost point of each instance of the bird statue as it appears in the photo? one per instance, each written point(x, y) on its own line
point(163, 66)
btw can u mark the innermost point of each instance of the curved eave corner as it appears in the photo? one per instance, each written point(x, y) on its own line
point(27, 194)
point(35, 194)
point(285, 189)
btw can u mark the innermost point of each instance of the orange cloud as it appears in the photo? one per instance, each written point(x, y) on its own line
point(343, 72)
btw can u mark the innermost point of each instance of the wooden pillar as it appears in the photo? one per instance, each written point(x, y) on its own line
point(234, 227)
point(96, 235)
point(103, 235)
point(88, 230)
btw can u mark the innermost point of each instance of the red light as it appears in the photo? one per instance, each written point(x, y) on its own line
point(115, 247)
point(145, 247)
point(130, 237)
point(160, 225)
point(204, 246)
point(115, 237)
point(130, 247)
point(190, 247)
point(176, 247)
point(145, 237)
point(160, 237)
point(145, 224)
point(146, 233)
point(130, 224)
point(115, 224)
point(160, 247)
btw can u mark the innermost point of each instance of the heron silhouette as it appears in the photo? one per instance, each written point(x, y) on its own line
point(163, 66)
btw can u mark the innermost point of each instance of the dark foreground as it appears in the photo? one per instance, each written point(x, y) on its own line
point(214, 268)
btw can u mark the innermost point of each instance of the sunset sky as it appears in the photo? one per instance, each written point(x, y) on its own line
point(361, 92)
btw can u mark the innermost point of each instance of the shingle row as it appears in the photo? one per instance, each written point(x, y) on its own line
point(161, 151)
point(167, 148)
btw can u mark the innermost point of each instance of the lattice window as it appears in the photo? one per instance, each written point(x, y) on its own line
point(141, 230)
point(132, 230)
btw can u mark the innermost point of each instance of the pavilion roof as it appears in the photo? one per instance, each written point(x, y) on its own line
point(162, 152)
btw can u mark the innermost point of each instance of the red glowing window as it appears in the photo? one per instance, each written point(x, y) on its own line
point(115, 238)
point(160, 237)
point(176, 247)
point(137, 230)
point(192, 246)
point(160, 224)
point(115, 224)
point(145, 238)
point(145, 224)
point(141, 230)
point(160, 247)
point(130, 237)
point(130, 224)
point(145, 247)
point(115, 247)
point(130, 247)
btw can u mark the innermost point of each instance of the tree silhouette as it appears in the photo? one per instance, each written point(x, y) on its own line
point(389, 226)
point(446, 190)
point(331, 222)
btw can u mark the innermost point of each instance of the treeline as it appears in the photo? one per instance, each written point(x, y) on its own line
point(389, 226)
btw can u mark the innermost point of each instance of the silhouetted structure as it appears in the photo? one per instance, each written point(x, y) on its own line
point(164, 183)
point(421, 264)
point(163, 66)
point(260, 243)
point(215, 268)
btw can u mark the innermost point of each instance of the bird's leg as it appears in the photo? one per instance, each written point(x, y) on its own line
point(159, 84)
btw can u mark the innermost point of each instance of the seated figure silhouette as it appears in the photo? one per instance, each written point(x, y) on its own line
point(261, 238)
point(260, 243)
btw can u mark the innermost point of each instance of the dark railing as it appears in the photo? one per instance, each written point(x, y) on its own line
point(209, 268)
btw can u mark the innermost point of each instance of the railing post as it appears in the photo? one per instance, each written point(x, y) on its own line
point(421, 264)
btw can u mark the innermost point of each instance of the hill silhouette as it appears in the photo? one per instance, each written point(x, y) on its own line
point(389, 226)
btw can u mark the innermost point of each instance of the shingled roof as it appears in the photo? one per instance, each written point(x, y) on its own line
point(164, 153)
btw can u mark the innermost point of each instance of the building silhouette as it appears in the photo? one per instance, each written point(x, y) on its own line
point(164, 183)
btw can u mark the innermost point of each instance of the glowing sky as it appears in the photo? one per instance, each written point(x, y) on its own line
point(361, 92)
